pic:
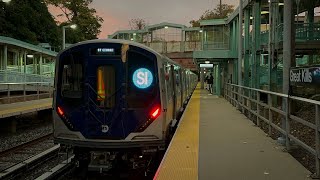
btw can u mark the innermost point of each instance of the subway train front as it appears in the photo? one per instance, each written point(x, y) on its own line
point(111, 102)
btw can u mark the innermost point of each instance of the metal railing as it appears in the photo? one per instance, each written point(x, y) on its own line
point(249, 101)
point(175, 46)
point(304, 31)
point(20, 92)
point(212, 45)
point(18, 77)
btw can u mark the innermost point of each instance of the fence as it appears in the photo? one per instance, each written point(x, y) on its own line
point(17, 92)
point(279, 105)
point(18, 77)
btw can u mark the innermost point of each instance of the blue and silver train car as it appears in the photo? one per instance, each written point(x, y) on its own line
point(117, 99)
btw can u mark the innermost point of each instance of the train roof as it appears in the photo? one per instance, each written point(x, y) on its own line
point(121, 42)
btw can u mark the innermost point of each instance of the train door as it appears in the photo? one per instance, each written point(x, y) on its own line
point(174, 91)
point(182, 86)
point(169, 92)
point(177, 76)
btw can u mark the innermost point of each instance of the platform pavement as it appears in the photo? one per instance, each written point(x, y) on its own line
point(230, 147)
point(14, 109)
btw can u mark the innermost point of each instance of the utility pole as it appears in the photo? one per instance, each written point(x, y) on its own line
point(220, 7)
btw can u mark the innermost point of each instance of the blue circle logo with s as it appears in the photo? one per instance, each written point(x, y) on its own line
point(142, 78)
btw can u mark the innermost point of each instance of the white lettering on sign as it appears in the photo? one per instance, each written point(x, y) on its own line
point(142, 78)
point(300, 76)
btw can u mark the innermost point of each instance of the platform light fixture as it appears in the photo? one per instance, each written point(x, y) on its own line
point(29, 56)
point(251, 17)
point(166, 27)
point(134, 34)
point(281, 4)
point(6, 1)
point(72, 26)
point(131, 39)
point(207, 62)
point(201, 31)
point(264, 12)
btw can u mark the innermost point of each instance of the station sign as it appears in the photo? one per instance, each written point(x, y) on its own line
point(206, 65)
point(309, 75)
point(142, 78)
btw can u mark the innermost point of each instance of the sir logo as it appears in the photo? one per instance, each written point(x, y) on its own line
point(142, 78)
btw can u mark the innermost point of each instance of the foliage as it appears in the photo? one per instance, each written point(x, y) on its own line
point(137, 24)
point(29, 21)
point(219, 12)
point(78, 12)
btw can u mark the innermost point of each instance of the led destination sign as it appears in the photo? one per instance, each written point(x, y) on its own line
point(305, 75)
point(103, 51)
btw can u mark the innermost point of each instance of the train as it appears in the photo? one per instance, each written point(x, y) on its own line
point(116, 102)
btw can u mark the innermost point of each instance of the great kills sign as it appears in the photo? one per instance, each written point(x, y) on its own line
point(305, 75)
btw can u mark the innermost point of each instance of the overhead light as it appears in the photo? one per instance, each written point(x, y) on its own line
point(264, 12)
point(30, 56)
point(207, 62)
point(166, 27)
point(251, 17)
point(281, 4)
point(73, 26)
point(134, 34)
point(6, 1)
point(131, 39)
point(201, 31)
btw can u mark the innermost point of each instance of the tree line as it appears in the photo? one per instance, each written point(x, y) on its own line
point(31, 21)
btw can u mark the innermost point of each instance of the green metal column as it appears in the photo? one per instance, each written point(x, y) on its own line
point(5, 57)
point(40, 65)
point(25, 62)
point(5, 62)
point(246, 46)
point(202, 77)
point(218, 79)
point(233, 37)
point(240, 43)
point(310, 20)
point(256, 45)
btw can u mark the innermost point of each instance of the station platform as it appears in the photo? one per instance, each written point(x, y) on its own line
point(214, 141)
point(14, 109)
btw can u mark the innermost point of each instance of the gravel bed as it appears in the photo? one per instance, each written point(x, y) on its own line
point(24, 154)
point(22, 136)
point(302, 132)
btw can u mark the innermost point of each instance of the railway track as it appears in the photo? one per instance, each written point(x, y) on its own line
point(19, 159)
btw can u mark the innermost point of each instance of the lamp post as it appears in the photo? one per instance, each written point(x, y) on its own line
point(72, 26)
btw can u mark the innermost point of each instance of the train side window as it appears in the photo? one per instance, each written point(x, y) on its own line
point(72, 78)
point(177, 74)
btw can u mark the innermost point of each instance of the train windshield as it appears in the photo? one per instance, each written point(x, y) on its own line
point(142, 80)
point(106, 86)
point(72, 77)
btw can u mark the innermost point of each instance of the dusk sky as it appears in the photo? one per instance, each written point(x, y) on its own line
point(117, 13)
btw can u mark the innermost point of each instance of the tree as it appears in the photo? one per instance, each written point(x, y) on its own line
point(78, 12)
point(137, 24)
point(219, 12)
point(29, 21)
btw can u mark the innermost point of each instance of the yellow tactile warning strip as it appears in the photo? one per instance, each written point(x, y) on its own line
point(25, 107)
point(181, 159)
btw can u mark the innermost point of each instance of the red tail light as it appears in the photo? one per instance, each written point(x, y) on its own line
point(155, 113)
point(61, 113)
